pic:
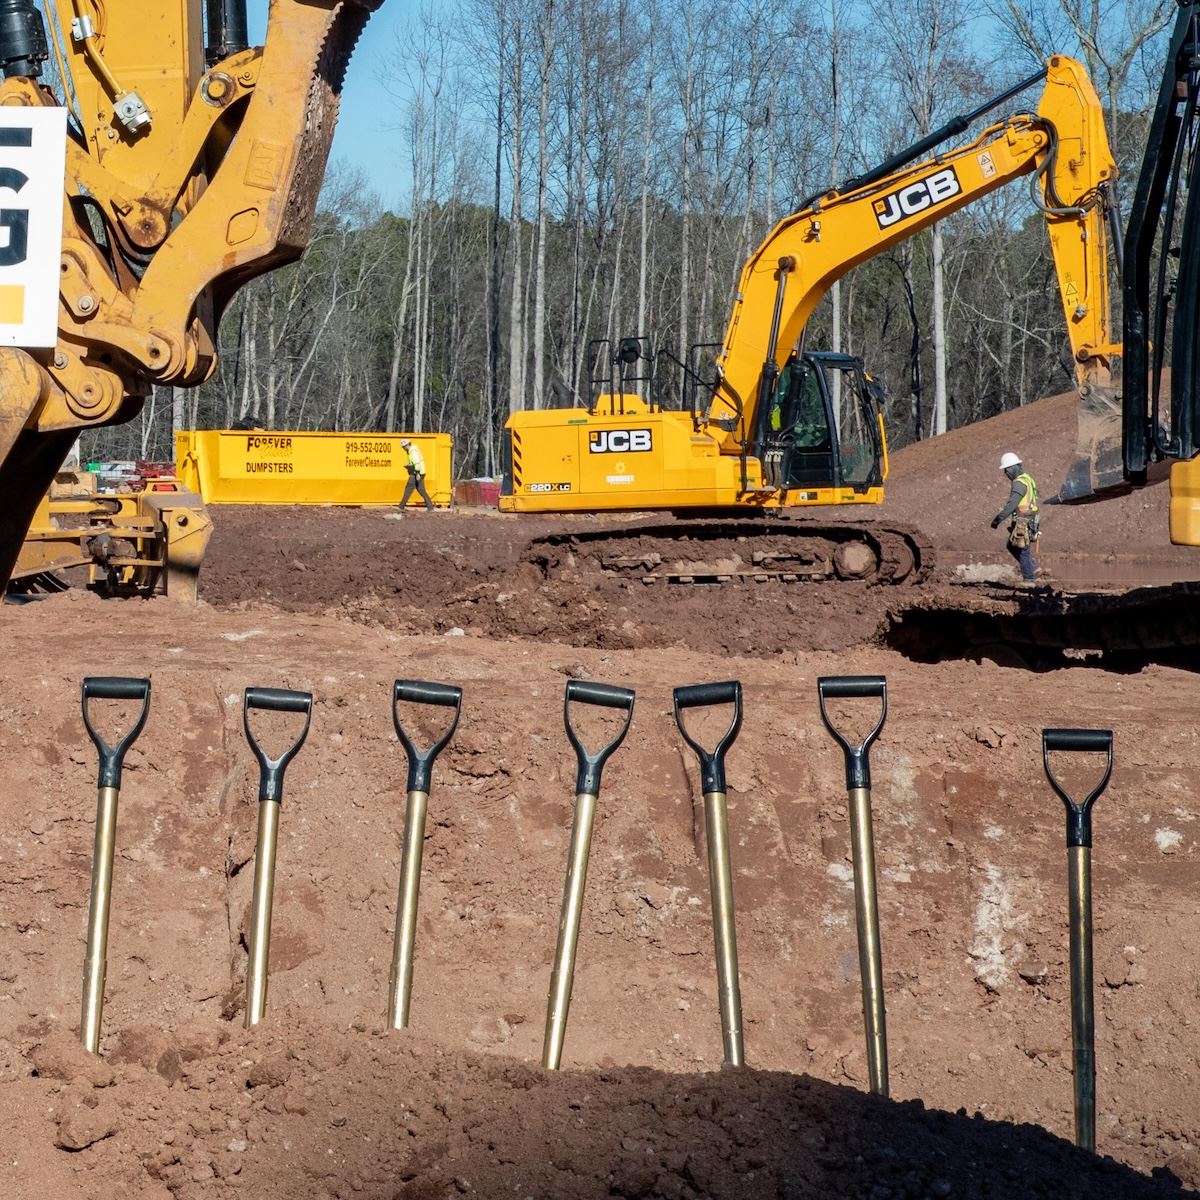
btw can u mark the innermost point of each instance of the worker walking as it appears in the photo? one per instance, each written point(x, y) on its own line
point(416, 474)
point(1021, 512)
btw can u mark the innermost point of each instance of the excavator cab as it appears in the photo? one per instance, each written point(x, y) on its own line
point(822, 427)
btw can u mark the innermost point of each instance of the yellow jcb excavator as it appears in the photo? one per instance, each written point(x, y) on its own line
point(193, 164)
point(785, 426)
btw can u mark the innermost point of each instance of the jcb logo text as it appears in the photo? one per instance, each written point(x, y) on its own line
point(916, 197)
point(620, 441)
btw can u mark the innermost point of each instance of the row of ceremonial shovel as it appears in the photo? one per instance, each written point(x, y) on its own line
point(270, 802)
point(590, 766)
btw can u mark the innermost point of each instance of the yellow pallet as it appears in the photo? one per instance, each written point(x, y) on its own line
point(228, 466)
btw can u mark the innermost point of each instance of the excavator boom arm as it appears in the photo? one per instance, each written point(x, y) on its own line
point(1064, 143)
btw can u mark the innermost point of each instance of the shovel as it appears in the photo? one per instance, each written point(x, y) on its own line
point(420, 767)
point(1079, 891)
point(587, 790)
point(111, 759)
point(720, 877)
point(862, 843)
point(270, 800)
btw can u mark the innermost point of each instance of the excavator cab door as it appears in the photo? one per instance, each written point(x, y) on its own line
point(801, 427)
point(856, 418)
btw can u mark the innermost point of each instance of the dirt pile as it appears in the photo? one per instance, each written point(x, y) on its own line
point(951, 487)
point(972, 890)
point(305, 1109)
point(474, 571)
point(320, 1101)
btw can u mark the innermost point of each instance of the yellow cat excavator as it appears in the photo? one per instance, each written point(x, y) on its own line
point(783, 426)
point(193, 163)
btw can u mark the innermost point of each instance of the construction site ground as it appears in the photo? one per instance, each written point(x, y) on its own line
point(321, 1100)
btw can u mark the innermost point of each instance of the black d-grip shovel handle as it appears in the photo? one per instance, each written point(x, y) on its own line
point(1079, 816)
point(108, 687)
point(270, 780)
point(842, 687)
point(587, 780)
point(416, 691)
point(705, 695)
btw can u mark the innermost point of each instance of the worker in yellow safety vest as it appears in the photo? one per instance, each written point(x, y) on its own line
point(416, 474)
point(1021, 512)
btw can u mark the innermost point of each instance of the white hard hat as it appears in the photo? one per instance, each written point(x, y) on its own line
point(405, 442)
point(1009, 459)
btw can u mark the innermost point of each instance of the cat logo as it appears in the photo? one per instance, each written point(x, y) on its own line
point(915, 198)
point(620, 441)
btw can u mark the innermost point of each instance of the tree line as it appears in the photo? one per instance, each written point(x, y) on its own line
point(582, 170)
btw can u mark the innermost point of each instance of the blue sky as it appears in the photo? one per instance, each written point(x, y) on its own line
point(364, 136)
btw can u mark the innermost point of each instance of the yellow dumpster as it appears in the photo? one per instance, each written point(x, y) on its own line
point(255, 466)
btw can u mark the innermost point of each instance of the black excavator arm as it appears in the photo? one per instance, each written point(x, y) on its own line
point(1161, 289)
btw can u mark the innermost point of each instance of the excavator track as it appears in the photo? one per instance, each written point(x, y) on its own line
point(738, 550)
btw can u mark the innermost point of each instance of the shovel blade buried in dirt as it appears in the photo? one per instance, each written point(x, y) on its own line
point(1079, 908)
point(720, 872)
point(270, 800)
point(112, 759)
point(420, 769)
point(862, 842)
point(587, 791)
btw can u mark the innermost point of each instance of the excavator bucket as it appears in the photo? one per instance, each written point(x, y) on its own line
point(1097, 470)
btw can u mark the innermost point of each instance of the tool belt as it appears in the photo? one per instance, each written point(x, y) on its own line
point(1022, 532)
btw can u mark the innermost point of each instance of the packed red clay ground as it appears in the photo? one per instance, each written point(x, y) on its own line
point(321, 1100)
point(483, 572)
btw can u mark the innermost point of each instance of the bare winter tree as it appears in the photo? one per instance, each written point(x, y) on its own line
point(930, 67)
point(583, 169)
point(1106, 37)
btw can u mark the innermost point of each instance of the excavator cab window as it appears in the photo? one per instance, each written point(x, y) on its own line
point(857, 423)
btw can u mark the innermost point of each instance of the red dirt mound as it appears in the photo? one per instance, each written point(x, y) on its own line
point(972, 883)
point(951, 487)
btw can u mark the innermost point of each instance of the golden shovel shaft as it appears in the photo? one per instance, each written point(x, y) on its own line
point(720, 878)
point(260, 914)
point(95, 960)
point(870, 958)
point(400, 988)
point(1083, 1033)
point(563, 975)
